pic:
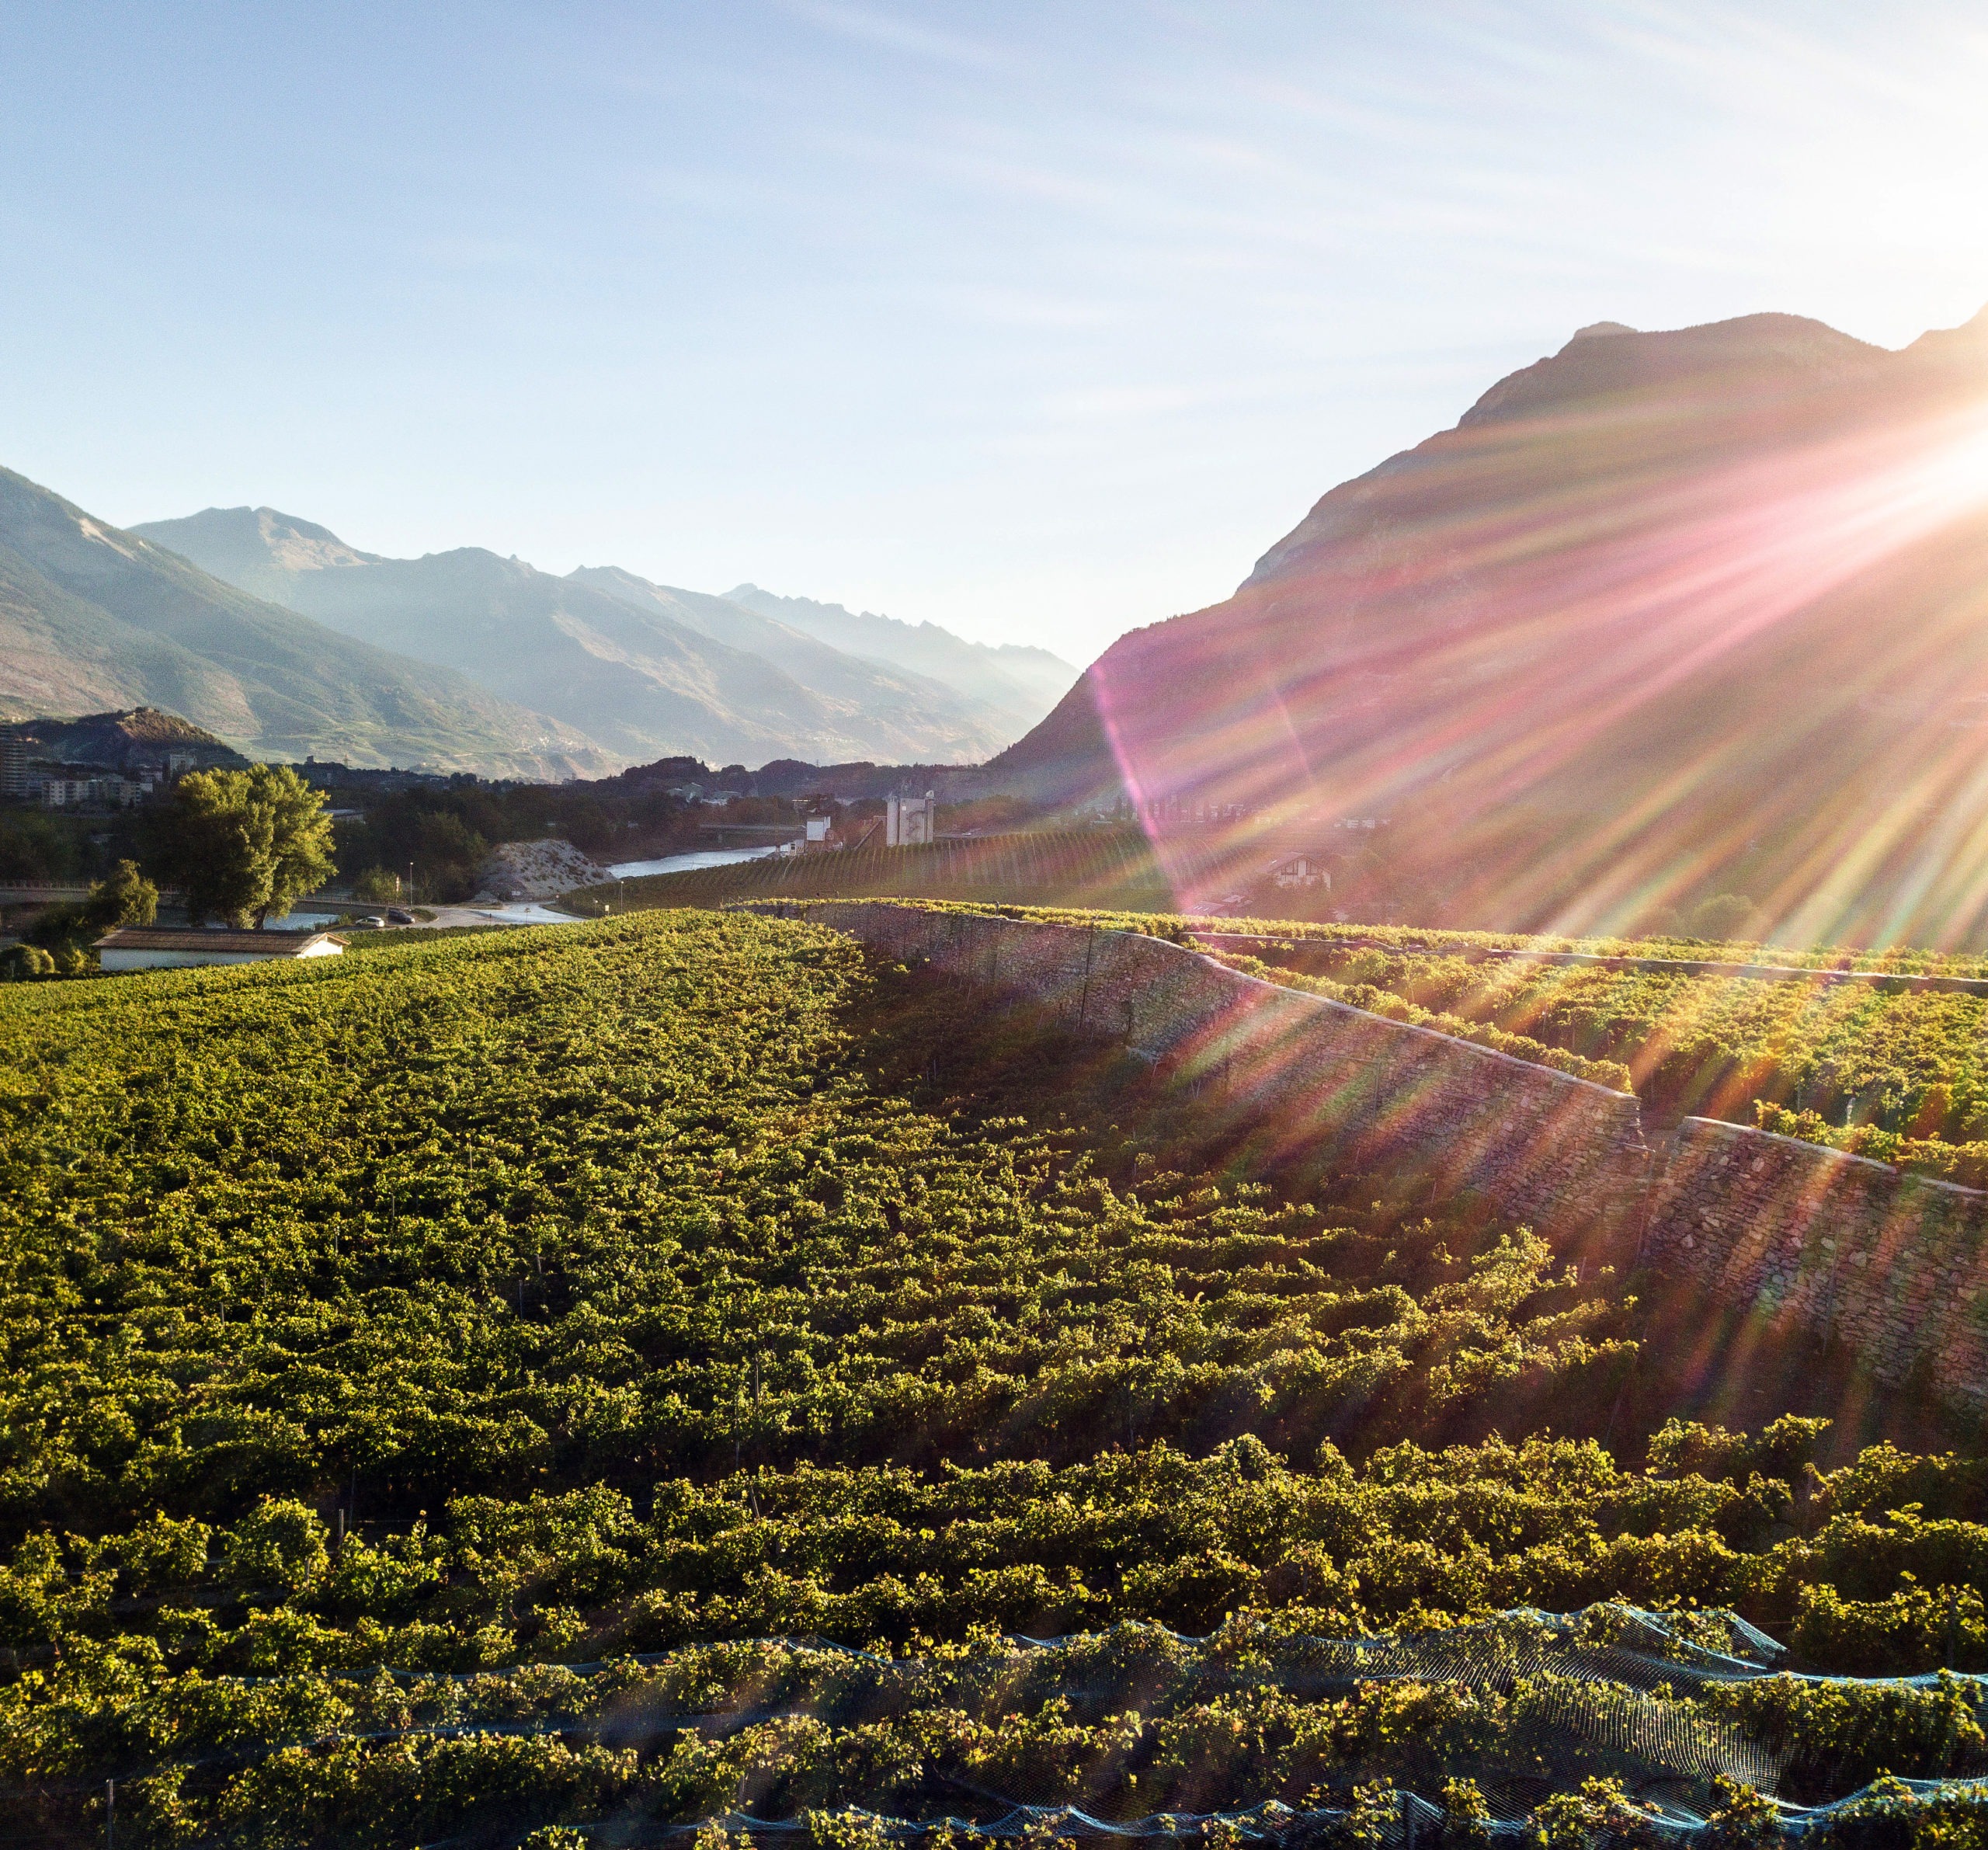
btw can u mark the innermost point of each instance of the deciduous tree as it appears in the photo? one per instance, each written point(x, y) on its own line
point(245, 845)
point(126, 898)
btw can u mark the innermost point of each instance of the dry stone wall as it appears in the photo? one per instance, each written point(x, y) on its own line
point(1309, 1074)
point(1892, 1265)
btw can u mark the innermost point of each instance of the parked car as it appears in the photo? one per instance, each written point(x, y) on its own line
point(396, 916)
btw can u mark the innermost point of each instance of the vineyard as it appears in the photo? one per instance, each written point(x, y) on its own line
point(1859, 1057)
point(1884, 1071)
point(573, 1385)
point(1111, 868)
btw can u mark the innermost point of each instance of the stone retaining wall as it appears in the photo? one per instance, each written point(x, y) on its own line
point(1892, 1265)
point(1310, 1075)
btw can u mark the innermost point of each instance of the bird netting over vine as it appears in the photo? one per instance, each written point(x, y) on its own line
point(1606, 1724)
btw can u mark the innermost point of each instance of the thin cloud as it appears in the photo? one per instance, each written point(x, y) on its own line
point(891, 31)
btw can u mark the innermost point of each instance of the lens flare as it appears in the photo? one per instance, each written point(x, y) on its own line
point(1720, 625)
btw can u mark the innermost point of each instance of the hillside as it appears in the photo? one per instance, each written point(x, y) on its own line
point(1021, 683)
point(143, 735)
point(1103, 867)
point(905, 715)
point(1665, 616)
point(644, 670)
point(92, 618)
point(443, 1385)
point(1877, 1055)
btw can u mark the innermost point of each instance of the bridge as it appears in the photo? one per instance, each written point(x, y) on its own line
point(40, 893)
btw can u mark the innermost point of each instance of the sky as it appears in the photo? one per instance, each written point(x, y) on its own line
point(1041, 321)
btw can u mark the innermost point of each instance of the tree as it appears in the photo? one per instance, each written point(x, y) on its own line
point(245, 844)
point(22, 963)
point(126, 898)
point(1721, 920)
point(302, 832)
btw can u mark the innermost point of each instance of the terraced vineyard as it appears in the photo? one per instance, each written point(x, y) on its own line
point(1867, 1054)
point(438, 1381)
point(1096, 866)
point(1876, 1068)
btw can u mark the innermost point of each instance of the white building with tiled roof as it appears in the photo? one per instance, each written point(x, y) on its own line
point(155, 947)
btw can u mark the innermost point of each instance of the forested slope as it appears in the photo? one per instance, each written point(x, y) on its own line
point(428, 1374)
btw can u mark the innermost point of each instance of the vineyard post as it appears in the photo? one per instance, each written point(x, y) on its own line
point(111, 1814)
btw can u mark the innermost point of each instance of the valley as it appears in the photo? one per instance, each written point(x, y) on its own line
point(1085, 946)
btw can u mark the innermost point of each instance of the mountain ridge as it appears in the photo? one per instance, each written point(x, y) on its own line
point(92, 616)
point(645, 670)
point(1015, 678)
point(948, 721)
point(1662, 611)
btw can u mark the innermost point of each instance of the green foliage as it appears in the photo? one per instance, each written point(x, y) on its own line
point(1837, 1736)
point(1899, 1075)
point(445, 833)
point(22, 963)
point(36, 845)
point(277, 1549)
point(681, 1281)
point(1466, 1816)
point(1611, 1073)
point(243, 845)
point(1112, 867)
point(126, 898)
point(1570, 1820)
point(1741, 1816)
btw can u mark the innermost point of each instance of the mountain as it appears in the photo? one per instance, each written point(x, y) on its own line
point(905, 716)
point(644, 670)
point(92, 618)
point(1664, 615)
point(1020, 684)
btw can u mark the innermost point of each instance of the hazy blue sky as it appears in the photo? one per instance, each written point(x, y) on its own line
point(1042, 320)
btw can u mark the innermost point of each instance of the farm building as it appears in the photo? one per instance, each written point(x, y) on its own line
point(154, 947)
point(1301, 870)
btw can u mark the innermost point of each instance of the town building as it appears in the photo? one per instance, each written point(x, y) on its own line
point(910, 821)
point(107, 791)
point(16, 780)
point(158, 947)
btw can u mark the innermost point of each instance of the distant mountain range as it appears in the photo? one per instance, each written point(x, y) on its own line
point(1017, 683)
point(93, 617)
point(1665, 615)
point(637, 669)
